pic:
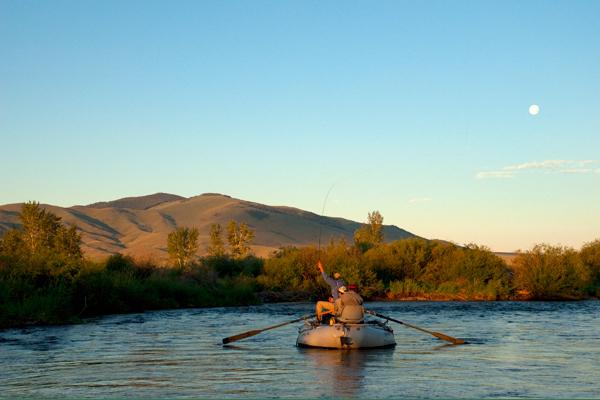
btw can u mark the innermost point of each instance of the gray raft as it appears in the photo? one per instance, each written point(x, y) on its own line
point(366, 335)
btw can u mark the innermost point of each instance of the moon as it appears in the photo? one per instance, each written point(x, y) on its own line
point(534, 109)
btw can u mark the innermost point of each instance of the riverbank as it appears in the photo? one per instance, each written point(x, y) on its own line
point(42, 309)
point(48, 280)
point(122, 285)
point(294, 297)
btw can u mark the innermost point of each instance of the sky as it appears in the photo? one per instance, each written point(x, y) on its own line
point(418, 109)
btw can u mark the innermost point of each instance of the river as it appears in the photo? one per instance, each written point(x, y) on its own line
point(517, 349)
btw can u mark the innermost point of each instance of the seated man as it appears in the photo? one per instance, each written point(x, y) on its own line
point(349, 306)
point(325, 310)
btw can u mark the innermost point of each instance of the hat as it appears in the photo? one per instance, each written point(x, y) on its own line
point(342, 289)
point(337, 275)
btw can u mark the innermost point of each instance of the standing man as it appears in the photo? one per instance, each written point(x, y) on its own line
point(335, 282)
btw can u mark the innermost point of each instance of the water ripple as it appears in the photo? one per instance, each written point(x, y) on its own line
point(516, 349)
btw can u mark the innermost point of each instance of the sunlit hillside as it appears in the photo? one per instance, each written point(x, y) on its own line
point(139, 225)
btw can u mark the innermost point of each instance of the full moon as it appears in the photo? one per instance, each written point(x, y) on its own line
point(534, 109)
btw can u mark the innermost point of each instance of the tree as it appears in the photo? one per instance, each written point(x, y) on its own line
point(11, 244)
point(216, 246)
point(239, 238)
point(42, 234)
point(370, 234)
point(182, 245)
point(551, 272)
point(68, 242)
point(40, 227)
point(590, 256)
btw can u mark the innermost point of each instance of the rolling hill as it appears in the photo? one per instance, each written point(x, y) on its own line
point(139, 226)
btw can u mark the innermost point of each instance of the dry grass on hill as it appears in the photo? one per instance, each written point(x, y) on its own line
point(139, 226)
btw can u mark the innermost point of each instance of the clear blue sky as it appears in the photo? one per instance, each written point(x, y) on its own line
point(418, 109)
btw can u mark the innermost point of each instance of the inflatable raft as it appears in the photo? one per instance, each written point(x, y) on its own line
point(366, 335)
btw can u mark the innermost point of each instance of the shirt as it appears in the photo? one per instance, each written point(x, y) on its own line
point(334, 284)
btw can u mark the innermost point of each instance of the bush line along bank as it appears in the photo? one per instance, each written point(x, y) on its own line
point(45, 279)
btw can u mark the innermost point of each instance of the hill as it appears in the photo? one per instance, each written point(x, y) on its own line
point(138, 203)
point(139, 225)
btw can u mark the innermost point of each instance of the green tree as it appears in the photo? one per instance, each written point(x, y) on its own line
point(11, 244)
point(40, 227)
point(399, 260)
point(551, 272)
point(67, 242)
point(216, 246)
point(292, 269)
point(239, 237)
point(42, 235)
point(182, 245)
point(590, 256)
point(370, 234)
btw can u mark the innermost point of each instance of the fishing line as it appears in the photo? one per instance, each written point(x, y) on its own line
point(323, 216)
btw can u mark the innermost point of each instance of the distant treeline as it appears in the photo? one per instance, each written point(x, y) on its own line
point(45, 279)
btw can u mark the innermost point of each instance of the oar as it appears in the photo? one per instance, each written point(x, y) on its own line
point(257, 331)
point(436, 334)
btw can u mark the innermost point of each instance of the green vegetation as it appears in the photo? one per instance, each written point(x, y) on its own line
point(590, 257)
point(239, 237)
point(45, 279)
point(216, 247)
point(370, 234)
point(548, 272)
point(414, 268)
point(182, 246)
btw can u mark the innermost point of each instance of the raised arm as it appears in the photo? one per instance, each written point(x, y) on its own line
point(330, 281)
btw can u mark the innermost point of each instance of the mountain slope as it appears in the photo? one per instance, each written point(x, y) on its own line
point(139, 226)
point(138, 203)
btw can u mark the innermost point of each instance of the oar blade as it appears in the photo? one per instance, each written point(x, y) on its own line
point(448, 338)
point(241, 336)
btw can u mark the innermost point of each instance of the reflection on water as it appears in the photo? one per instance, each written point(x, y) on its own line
point(517, 350)
point(343, 371)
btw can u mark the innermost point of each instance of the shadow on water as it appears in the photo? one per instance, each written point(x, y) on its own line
point(448, 346)
point(231, 346)
point(37, 339)
point(344, 371)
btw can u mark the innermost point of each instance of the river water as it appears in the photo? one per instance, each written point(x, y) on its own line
point(517, 349)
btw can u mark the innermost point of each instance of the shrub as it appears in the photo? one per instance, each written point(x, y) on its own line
point(406, 288)
point(399, 260)
point(226, 266)
point(443, 264)
point(119, 263)
point(291, 269)
point(551, 272)
point(590, 256)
